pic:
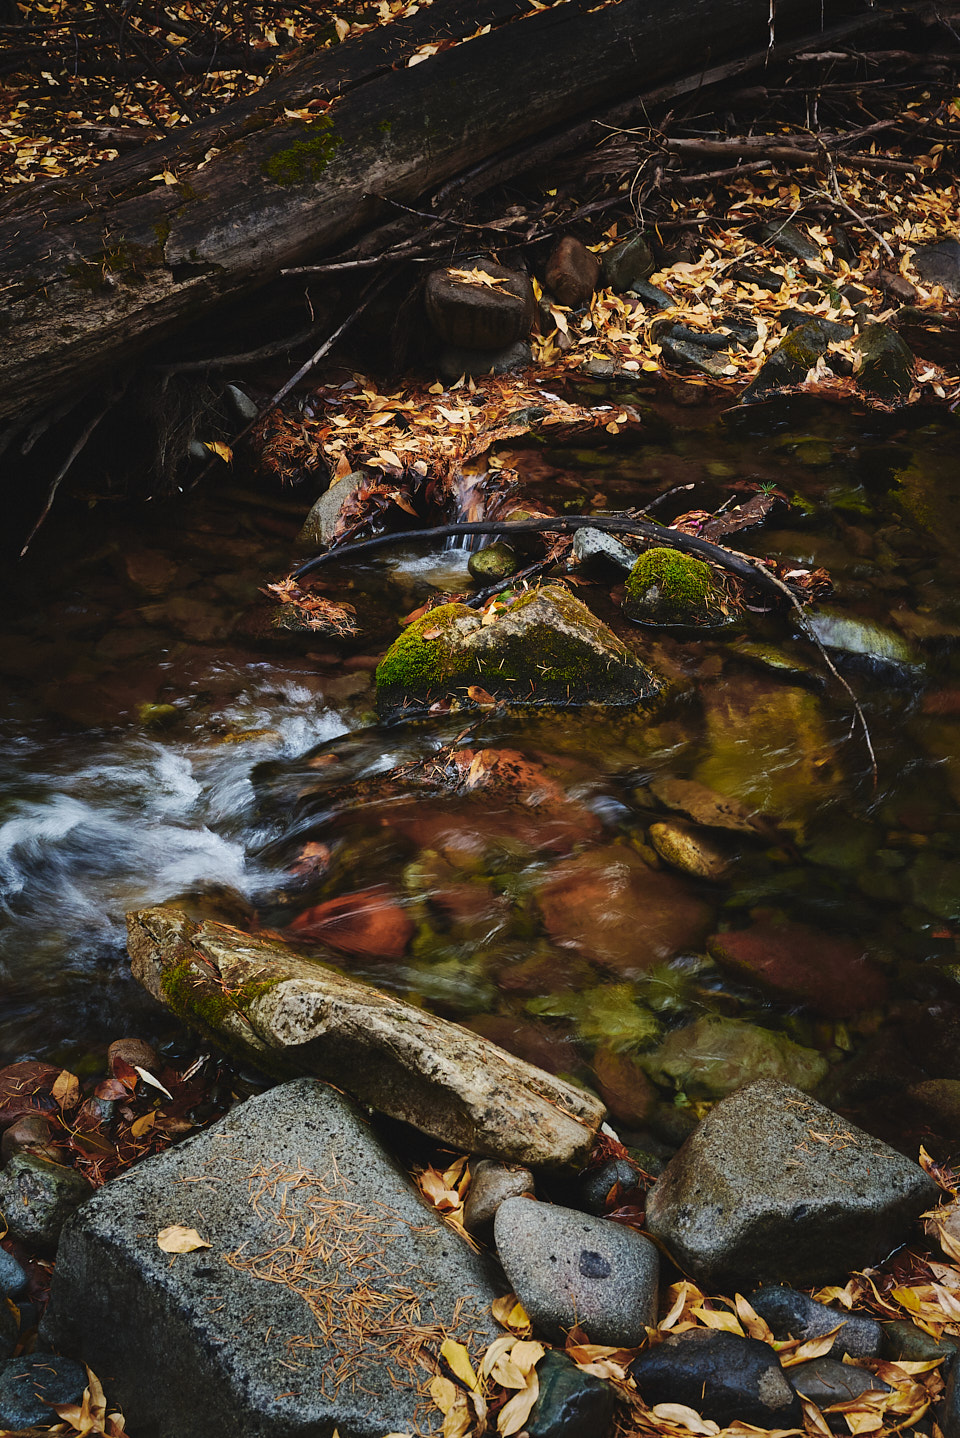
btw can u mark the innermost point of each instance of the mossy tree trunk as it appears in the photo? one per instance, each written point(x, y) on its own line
point(95, 270)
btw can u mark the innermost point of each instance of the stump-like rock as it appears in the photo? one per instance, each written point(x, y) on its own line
point(480, 306)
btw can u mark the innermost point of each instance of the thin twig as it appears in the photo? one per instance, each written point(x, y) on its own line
point(85, 434)
point(370, 293)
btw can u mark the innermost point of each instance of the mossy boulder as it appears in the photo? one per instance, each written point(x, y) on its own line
point(544, 647)
point(492, 563)
point(887, 366)
point(713, 1056)
point(795, 355)
point(667, 587)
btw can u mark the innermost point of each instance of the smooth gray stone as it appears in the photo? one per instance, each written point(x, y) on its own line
point(774, 1188)
point(721, 1376)
point(903, 1339)
point(595, 1185)
point(318, 527)
point(291, 1181)
point(13, 1276)
point(788, 240)
point(888, 367)
point(456, 360)
point(592, 549)
point(853, 635)
point(827, 1380)
point(569, 1268)
point(650, 295)
point(491, 1184)
point(29, 1385)
point(694, 355)
point(790, 1314)
point(37, 1197)
point(627, 262)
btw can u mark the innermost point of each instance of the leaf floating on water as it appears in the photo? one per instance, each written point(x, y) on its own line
point(177, 1239)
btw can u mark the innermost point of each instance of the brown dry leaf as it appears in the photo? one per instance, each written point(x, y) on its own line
point(431, 633)
point(459, 1420)
point(754, 1325)
point(717, 1318)
point(458, 1359)
point(148, 1078)
point(479, 696)
point(66, 1090)
point(434, 1188)
point(515, 1412)
point(177, 1239)
point(813, 1348)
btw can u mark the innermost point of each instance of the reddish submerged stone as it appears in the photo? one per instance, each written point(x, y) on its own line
point(835, 976)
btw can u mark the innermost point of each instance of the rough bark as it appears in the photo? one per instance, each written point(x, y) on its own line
point(291, 1014)
point(96, 270)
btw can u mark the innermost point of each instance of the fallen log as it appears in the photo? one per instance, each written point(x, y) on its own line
point(294, 1015)
point(96, 270)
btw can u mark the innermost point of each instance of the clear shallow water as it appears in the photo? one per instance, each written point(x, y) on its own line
point(520, 905)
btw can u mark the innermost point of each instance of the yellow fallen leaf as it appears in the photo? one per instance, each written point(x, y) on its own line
point(713, 1318)
point(685, 1417)
point(221, 450)
point(515, 1412)
point(510, 1313)
point(177, 1239)
point(527, 1354)
point(444, 1392)
point(143, 1124)
point(66, 1089)
point(458, 1359)
point(813, 1348)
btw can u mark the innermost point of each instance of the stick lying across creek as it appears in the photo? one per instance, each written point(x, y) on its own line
point(741, 565)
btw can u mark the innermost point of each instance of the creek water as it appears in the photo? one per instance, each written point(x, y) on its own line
point(160, 740)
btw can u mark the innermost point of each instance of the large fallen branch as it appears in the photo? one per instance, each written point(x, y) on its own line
point(294, 1015)
point(96, 270)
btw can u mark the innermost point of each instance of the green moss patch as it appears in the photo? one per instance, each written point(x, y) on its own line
point(668, 587)
point(304, 161)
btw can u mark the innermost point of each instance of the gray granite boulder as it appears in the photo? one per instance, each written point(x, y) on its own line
point(790, 1314)
point(774, 1188)
point(325, 1274)
point(320, 525)
point(37, 1197)
point(721, 1376)
point(570, 1268)
point(598, 553)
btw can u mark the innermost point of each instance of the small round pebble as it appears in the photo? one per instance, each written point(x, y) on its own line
point(135, 1052)
point(13, 1276)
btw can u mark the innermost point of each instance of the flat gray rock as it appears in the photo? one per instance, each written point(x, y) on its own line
point(774, 1188)
point(569, 1268)
point(827, 1380)
point(720, 1375)
point(325, 1275)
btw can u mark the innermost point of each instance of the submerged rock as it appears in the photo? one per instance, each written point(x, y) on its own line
point(859, 636)
point(544, 647)
point(719, 1375)
point(319, 1251)
point(834, 975)
point(608, 904)
point(713, 1056)
point(691, 851)
point(768, 748)
point(790, 1314)
point(568, 1268)
point(667, 587)
point(774, 1188)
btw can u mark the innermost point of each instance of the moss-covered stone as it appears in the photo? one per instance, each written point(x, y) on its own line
point(492, 563)
point(544, 647)
point(667, 587)
point(887, 366)
point(304, 161)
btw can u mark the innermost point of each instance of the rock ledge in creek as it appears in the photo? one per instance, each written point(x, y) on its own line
point(271, 1332)
point(774, 1188)
point(290, 1014)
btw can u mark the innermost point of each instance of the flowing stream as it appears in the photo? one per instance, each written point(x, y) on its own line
point(160, 740)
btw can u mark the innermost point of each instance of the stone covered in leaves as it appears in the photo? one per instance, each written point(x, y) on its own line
point(543, 647)
point(321, 1256)
point(773, 1187)
point(482, 307)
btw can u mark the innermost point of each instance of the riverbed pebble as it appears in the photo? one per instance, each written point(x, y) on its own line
point(30, 1385)
point(721, 1376)
point(13, 1276)
point(37, 1197)
point(793, 1315)
point(827, 1380)
point(491, 1184)
point(569, 1268)
point(571, 1403)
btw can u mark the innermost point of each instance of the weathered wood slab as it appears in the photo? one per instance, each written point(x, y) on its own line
point(295, 1015)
